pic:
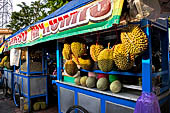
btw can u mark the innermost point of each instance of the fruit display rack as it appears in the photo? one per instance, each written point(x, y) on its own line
point(96, 101)
point(30, 84)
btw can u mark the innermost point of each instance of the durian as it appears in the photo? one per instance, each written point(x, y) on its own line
point(105, 60)
point(83, 80)
point(75, 59)
point(3, 61)
point(102, 84)
point(78, 48)
point(135, 39)
point(85, 63)
point(95, 51)
point(115, 86)
point(91, 82)
point(122, 59)
point(67, 51)
point(71, 67)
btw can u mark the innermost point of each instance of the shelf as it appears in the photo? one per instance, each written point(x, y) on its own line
point(125, 94)
point(132, 87)
point(159, 73)
point(114, 72)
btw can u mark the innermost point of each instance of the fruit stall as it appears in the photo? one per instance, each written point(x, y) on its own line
point(6, 70)
point(30, 80)
point(103, 63)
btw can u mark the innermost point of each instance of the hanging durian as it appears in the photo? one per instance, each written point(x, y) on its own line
point(95, 51)
point(3, 61)
point(122, 58)
point(67, 51)
point(135, 39)
point(71, 67)
point(75, 59)
point(78, 49)
point(105, 60)
point(85, 63)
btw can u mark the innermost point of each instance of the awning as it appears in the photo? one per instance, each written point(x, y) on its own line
point(97, 15)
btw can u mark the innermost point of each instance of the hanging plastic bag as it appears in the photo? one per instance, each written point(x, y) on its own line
point(139, 9)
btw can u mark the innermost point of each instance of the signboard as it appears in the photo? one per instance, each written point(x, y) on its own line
point(98, 15)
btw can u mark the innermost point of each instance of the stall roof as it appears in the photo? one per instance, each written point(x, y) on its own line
point(75, 18)
point(74, 4)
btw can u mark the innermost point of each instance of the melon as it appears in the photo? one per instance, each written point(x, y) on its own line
point(83, 80)
point(91, 82)
point(102, 84)
point(115, 86)
point(77, 80)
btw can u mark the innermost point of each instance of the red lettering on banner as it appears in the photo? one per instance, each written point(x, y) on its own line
point(55, 21)
point(83, 14)
point(60, 18)
point(41, 26)
point(51, 22)
point(54, 28)
point(65, 16)
point(36, 27)
point(74, 18)
point(94, 12)
point(101, 9)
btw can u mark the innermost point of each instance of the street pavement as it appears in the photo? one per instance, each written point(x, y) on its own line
point(7, 106)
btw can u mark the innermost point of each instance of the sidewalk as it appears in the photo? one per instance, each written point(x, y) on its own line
point(7, 106)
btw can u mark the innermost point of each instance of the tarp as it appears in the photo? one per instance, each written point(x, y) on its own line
point(74, 4)
point(95, 16)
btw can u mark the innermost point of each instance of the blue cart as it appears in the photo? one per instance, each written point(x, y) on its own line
point(96, 101)
point(30, 84)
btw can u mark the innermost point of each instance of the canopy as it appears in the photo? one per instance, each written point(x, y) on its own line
point(74, 4)
point(75, 18)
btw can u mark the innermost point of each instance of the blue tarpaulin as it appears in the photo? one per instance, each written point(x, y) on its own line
point(74, 4)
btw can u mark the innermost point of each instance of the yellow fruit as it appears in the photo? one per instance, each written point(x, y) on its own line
point(83, 80)
point(105, 60)
point(78, 49)
point(3, 61)
point(135, 39)
point(67, 51)
point(95, 51)
point(75, 59)
point(71, 67)
point(122, 58)
point(85, 63)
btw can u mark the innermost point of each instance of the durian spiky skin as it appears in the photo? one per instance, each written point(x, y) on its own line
point(67, 51)
point(71, 67)
point(135, 39)
point(75, 59)
point(78, 49)
point(85, 63)
point(95, 51)
point(105, 60)
point(122, 59)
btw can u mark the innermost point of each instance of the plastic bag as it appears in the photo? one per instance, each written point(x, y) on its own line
point(149, 9)
point(147, 103)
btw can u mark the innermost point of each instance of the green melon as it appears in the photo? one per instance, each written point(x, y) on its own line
point(77, 80)
point(102, 84)
point(91, 82)
point(83, 81)
point(115, 86)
